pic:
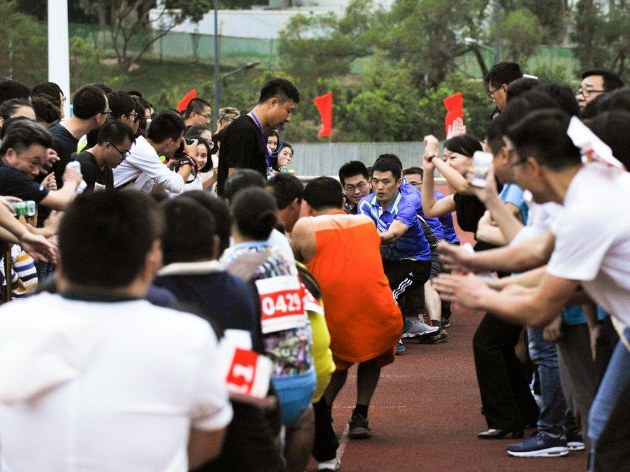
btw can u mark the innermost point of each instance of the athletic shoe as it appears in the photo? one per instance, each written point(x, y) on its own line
point(541, 444)
point(441, 337)
point(446, 322)
point(359, 427)
point(332, 465)
point(418, 329)
point(575, 441)
point(400, 348)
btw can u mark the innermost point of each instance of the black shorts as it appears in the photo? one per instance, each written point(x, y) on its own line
point(437, 266)
point(406, 274)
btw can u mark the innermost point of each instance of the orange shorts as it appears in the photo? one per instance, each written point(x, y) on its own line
point(381, 361)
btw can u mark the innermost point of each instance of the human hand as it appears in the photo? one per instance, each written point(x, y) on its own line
point(467, 290)
point(489, 191)
point(191, 149)
point(553, 331)
point(8, 201)
point(456, 258)
point(71, 175)
point(39, 248)
point(456, 129)
point(50, 182)
point(52, 222)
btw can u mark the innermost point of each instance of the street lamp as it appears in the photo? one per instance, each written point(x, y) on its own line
point(219, 85)
point(474, 42)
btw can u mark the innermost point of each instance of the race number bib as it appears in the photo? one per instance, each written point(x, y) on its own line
point(282, 303)
point(248, 373)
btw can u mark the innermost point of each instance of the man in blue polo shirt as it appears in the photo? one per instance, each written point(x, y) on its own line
point(404, 248)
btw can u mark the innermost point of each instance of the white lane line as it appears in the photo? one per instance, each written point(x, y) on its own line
point(343, 441)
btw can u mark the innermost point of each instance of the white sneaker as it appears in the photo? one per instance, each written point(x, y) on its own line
point(334, 464)
point(419, 329)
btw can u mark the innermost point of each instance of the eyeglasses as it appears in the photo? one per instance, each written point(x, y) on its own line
point(353, 188)
point(207, 117)
point(106, 112)
point(134, 114)
point(492, 92)
point(125, 155)
point(587, 92)
point(63, 99)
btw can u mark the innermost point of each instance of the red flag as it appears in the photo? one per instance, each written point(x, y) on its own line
point(181, 106)
point(454, 109)
point(324, 106)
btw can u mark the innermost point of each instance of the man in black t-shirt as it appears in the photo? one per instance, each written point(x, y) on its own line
point(90, 112)
point(114, 142)
point(244, 145)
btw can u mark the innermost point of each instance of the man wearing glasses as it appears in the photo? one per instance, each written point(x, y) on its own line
point(594, 83)
point(497, 81)
point(114, 143)
point(91, 109)
point(198, 113)
point(355, 181)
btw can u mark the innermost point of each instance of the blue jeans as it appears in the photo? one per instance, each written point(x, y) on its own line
point(609, 393)
point(554, 405)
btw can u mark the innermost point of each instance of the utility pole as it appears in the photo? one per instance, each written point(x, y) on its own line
point(217, 81)
point(497, 19)
point(59, 47)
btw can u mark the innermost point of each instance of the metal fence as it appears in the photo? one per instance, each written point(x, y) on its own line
point(315, 159)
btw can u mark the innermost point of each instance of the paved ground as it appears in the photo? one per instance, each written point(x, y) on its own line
point(426, 413)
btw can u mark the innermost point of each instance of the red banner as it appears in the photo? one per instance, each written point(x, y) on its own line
point(454, 109)
point(181, 106)
point(324, 105)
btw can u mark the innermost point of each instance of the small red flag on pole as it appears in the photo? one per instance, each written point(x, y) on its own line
point(324, 105)
point(181, 106)
point(454, 109)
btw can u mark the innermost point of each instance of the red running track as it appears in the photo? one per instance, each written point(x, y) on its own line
point(425, 415)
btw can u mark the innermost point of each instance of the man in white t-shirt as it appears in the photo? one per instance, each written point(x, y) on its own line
point(591, 249)
point(143, 168)
point(96, 378)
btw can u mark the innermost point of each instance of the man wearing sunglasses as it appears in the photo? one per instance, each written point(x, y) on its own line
point(114, 142)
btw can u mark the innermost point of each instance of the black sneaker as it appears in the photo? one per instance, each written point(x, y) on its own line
point(359, 427)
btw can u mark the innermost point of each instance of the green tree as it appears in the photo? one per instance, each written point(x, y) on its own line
point(133, 29)
point(521, 33)
point(22, 42)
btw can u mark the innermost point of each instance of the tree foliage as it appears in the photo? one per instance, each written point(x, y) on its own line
point(521, 33)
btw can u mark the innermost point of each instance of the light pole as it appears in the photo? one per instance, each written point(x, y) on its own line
point(249, 65)
point(497, 20)
point(217, 82)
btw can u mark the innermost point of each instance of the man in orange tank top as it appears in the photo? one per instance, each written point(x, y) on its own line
point(365, 323)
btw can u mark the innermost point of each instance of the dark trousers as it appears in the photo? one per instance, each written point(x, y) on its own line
point(605, 345)
point(326, 441)
point(506, 400)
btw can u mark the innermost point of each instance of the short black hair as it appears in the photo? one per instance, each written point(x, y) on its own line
point(282, 89)
point(165, 125)
point(7, 123)
point(612, 81)
point(189, 233)
point(104, 237)
point(115, 132)
point(241, 180)
point(104, 87)
point(543, 136)
point(464, 144)
point(255, 213)
point(89, 101)
point(121, 103)
point(323, 192)
point(197, 105)
point(393, 157)
point(286, 188)
point(9, 107)
point(219, 210)
point(520, 86)
point(135, 93)
point(47, 88)
point(612, 128)
point(503, 73)
point(564, 96)
point(45, 109)
point(616, 100)
point(385, 163)
point(10, 88)
point(350, 169)
point(22, 134)
point(414, 170)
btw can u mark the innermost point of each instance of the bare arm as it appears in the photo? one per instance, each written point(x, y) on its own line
point(488, 232)
point(394, 233)
point(456, 180)
point(203, 446)
point(303, 240)
point(430, 206)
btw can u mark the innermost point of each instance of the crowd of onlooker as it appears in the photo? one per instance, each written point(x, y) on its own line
point(190, 303)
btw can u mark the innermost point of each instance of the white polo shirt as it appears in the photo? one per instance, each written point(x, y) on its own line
point(143, 169)
point(97, 386)
point(593, 237)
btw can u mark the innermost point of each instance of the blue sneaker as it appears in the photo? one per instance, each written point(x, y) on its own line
point(400, 348)
point(541, 444)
